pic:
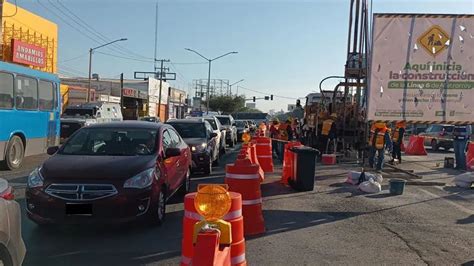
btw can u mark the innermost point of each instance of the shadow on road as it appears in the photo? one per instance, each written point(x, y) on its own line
point(279, 221)
point(467, 220)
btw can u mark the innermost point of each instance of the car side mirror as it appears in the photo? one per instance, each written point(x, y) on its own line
point(52, 150)
point(172, 152)
point(213, 135)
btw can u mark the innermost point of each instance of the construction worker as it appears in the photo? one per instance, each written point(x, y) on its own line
point(274, 135)
point(461, 136)
point(328, 132)
point(378, 141)
point(283, 130)
point(397, 138)
point(262, 128)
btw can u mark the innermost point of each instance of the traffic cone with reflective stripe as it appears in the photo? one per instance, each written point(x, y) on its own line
point(288, 161)
point(264, 153)
point(234, 216)
point(244, 177)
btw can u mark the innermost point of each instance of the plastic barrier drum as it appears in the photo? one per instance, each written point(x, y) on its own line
point(288, 161)
point(415, 146)
point(470, 156)
point(234, 216)
point(264, 153)
point(243, 177)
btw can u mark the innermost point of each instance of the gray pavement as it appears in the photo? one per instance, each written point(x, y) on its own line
point(334, 224)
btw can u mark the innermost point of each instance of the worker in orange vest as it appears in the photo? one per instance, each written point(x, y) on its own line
point(283, 130)
point(262, 128)
point(328, 132)
point(379, 139)
point(397, 138)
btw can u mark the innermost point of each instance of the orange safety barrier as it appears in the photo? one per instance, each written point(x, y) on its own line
point(288, 161)
point(415, 146)
point(191, 217)
point(252, 154)
point(209, 252)
point(470, 156)
point(264, 153)
point(244, 177)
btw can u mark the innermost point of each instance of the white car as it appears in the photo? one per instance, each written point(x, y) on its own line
point(12, 247)
point(221, 133)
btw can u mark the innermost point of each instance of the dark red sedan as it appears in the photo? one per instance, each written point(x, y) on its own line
point(108, 173)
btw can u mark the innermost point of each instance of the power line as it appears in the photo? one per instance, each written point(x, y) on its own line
point(267, 93)
point(126, 57)
point(91, 29)
point(73, 58)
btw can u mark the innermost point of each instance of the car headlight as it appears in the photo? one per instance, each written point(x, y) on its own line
point(199, 148)
point(35, 179)
point(141, 180)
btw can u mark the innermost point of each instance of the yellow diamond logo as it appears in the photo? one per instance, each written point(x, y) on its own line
point(434, 40)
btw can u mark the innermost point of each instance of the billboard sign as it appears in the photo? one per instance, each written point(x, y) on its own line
point(28, 54)
point(422, 68)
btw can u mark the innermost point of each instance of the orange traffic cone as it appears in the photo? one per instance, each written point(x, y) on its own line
point(264, 153)
point(244, 177)
point(288, 161)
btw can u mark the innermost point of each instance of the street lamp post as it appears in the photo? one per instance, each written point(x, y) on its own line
point(230, 87)
point(90, 63)
point(209, 73)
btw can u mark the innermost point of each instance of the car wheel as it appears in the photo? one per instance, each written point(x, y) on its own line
point(159, 212)
point(186, 186)
point(434, 145)
point(208, 170)
point(5, 257)
point(14, 154)
point(216, 161)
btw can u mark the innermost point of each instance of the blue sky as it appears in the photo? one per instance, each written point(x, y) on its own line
point(285, 47)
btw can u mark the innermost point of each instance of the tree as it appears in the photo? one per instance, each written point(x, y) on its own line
point(248, 110)
point(226, 104)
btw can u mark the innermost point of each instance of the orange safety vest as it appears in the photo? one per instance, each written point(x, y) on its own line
point(327, 124)
point(396, 134)
point(282, 131)
point(379, 134)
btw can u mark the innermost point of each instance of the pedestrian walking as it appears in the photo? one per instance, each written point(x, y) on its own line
point(460, 138)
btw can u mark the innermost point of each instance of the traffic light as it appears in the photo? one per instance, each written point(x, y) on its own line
point(267, 98)
point(254, 99)
point(271, 97)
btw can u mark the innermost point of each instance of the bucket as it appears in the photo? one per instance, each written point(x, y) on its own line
point(448, 162)
point(397, 186)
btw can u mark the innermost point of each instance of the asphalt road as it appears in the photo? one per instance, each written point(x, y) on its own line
point(334, 224)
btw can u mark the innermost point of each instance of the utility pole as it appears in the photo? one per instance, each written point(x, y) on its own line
point(161, 82)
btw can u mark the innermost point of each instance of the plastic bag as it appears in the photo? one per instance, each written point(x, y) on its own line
point(464, 180)
point(370, 186)
point(353, 177)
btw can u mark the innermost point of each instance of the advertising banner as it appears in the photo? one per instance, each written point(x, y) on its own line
point(422, 68)
point(28, 54)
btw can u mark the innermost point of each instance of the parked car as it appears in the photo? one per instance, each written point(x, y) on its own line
point(77, 116)
point(151, 119)
point(242, 127)
point(221, 133)
point(198, 134)
point(438, 136)
point(12, 247)
point(130, 166)
point(228, 124)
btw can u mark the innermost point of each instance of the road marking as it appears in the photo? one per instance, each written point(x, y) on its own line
point(17, 185)
point(454, 204)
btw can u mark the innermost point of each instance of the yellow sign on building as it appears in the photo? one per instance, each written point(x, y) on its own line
point(434, 40)
point(28, 39)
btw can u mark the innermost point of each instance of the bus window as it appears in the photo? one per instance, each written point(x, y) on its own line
point(26, 93)
point(46, 99)
point(6, 91)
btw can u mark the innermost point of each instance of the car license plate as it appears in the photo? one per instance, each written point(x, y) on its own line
point(79, 209)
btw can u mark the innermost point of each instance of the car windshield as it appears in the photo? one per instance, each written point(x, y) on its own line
point(224, 120)
point(213, 123)
point(111, 142)
point(190, 130)
point(240, 123)
point(78, 112)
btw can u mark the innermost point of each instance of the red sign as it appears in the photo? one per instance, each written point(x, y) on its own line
point(28, 54)
point(129, 92)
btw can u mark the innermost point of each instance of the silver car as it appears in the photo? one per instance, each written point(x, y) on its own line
point(12, 247)
point(438, 136)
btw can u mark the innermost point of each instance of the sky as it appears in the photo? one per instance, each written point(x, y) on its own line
point(285, 47)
